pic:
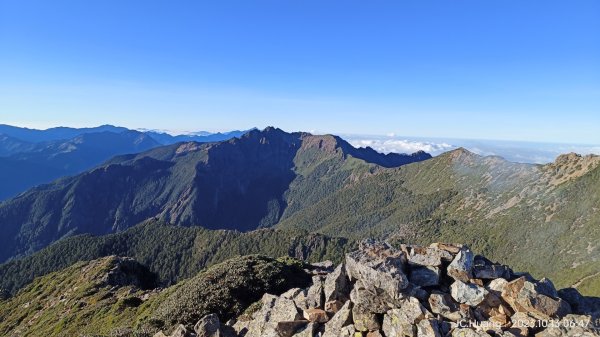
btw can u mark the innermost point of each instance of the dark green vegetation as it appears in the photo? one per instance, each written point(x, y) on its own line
point(172, 252)
point(227, 289)
point(80, 299)
point(107, 297)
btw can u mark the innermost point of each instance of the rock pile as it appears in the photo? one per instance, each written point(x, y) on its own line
point(436, 291)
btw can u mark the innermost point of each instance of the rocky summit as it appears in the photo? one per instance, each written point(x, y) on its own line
point(413, 291)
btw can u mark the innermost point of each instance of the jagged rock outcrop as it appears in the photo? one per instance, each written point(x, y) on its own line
point(442, 290)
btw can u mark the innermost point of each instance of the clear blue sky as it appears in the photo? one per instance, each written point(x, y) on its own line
point(496, 69)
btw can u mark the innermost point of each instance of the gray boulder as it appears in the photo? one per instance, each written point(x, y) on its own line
point(378, 269)
point(461, 268)
point(468, 293)
point(337, 285)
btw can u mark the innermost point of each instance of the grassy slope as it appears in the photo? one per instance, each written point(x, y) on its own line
point(77, 301)
point(541, 219)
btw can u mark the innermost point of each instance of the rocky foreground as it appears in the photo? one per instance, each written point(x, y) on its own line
point(435, 291)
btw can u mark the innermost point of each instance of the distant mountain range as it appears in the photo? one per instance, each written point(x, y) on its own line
point(30, 157)
point(243, 184)
point(539, 218)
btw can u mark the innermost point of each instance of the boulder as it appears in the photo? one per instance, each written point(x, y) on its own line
point(443, 305)
point(309, 330)
point(524, 296)
point(314, 294)
point(497, 286)
point(546, 287)
point(342, 319)
point(403, 321)
point(379, 270)
point(487, 270)
point(580, 304)
point(468, 293)
point(289, 328)
point(337, 285)
point(364, 319)
point(424, 276)
point(426, 256)
point(428, 328)
point(208, 326)
point(274, 310)
point(315, 315)
point(333, 306)
point(461, 268)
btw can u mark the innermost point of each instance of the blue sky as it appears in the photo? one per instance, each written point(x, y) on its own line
point(515, 70)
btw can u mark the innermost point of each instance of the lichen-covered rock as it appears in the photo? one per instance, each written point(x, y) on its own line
point(403, 321)
point(379, 269)
point(343, 318)
point(337, 285)
point(428, 328)
point(468, 293)
point(364, 319)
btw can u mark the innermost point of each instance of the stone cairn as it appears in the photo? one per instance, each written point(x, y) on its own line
point(436, 291)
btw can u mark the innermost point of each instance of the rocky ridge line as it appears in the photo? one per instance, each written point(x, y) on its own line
point(436, 291)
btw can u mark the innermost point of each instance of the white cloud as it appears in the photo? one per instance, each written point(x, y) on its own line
point(387, 145)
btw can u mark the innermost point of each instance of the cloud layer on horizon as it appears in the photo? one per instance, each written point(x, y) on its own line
point(401, 145)
point(523, 152)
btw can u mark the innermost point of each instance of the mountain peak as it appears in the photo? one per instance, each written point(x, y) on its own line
point(461, 155)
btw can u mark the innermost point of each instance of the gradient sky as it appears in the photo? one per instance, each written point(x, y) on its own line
point(493, 69)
